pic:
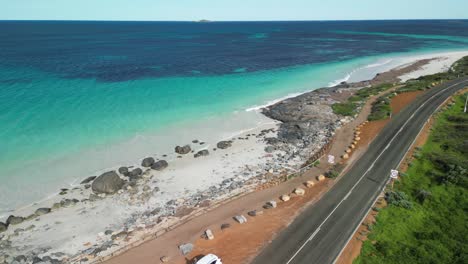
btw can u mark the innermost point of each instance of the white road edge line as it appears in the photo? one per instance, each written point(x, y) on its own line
point(383, 187)
point(370, 167)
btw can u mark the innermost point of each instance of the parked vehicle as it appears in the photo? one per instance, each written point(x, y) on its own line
point(209, 259)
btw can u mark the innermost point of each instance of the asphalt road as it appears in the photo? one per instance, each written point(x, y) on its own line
point(320, 233)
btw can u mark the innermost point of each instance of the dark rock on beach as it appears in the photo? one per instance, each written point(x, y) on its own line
point(160, 165)
point(183, 150)
point(14, 220)
point(88, 180)
point(224, 144)
point(147, 162)
point(201, 153)
point(21, 258)
point(68, 202)
point(42, 211)
point(3, 227)
point(135, 173)
point(269, 149)
point(36, 259)
point(108, 183)
point(123, 171)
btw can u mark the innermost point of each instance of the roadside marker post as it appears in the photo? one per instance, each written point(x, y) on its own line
point(466, 101)
point(393, 176)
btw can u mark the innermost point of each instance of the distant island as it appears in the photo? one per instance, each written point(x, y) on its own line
point(204, 21)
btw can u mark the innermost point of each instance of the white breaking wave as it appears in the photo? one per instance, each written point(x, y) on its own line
point(336, 82)
point(348, 75)
point(330, 84)
point(272, 102)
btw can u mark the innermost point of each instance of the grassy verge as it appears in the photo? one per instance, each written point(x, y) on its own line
point(426, 218)
point(353, 104)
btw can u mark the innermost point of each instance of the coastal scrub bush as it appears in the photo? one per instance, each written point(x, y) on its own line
point(422, 195)
point(335, 171)
point(398, 199)
point(380, 109)
point(345, 109)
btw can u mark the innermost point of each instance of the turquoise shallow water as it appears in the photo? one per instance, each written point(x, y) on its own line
point(54, 118)
point(72, 88)
point(56, 115)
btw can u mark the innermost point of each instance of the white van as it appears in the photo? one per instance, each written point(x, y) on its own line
point(209, 259)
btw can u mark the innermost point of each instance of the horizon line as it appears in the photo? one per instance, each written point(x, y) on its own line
point(214, 21)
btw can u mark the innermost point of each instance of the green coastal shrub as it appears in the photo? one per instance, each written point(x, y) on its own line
point(345, 109)
point(398, 199)
point(380, 109)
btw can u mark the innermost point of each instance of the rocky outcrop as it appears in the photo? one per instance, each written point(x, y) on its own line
point(224, 144)
point(88, 180)
point(147, 162)
point(160, 165)
point(183, 150)
point(14, 220)
point(107, 183)
point(201, 153)
point(308, 122)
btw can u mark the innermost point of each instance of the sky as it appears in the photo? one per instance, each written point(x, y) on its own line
point(231, 10)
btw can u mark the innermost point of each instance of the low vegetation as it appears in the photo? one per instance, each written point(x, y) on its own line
point(381, 108)
point(352, 105)
point(426, 217)
point(335, 171)
point(345, 109)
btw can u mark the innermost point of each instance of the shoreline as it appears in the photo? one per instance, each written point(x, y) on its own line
point(248, 141)
point(104, 152)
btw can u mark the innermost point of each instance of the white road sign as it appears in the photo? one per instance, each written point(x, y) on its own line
point(331, 159)
point(393, 174)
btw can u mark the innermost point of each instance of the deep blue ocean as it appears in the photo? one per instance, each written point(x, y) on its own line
point(68, 87)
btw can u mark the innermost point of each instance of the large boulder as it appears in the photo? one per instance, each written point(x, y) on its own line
point(224, 144)
point(14, 220)
point(183, 150)
point(147, 162)
point(108, 183)
point(201, 153)
point(160, 165)
point(3, 227)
